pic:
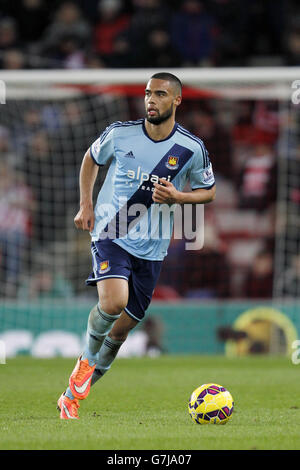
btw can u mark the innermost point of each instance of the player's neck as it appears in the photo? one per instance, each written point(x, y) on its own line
point(160, 131)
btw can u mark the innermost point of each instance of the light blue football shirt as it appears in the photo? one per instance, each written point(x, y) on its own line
point(125, 211)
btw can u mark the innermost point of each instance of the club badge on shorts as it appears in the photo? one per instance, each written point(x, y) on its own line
point(104, 267)
point(172, 162)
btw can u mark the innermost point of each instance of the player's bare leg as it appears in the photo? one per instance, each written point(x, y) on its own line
point(113, 295)
point(122, 327)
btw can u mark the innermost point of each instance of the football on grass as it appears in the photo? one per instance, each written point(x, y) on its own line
point(211, 404)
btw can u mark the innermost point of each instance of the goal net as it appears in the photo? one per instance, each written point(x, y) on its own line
point(250, 125)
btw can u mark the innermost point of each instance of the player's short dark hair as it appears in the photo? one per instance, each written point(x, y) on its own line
point(171, 78)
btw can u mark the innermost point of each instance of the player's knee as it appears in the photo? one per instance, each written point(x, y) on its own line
point(112, 306)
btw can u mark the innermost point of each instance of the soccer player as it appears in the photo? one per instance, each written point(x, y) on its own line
point(151, 161)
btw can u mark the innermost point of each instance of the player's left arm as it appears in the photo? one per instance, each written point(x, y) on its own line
point(166, 193)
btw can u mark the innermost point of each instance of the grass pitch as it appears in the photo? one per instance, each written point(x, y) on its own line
point(141, 403)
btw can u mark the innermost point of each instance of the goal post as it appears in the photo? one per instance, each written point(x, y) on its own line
point(49, 118)
point(241, 75)
point(233, 83)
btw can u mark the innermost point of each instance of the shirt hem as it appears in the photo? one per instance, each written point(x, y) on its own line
point(95, 239)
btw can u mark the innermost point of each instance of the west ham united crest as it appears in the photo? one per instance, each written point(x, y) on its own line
point(172, 162)
point(104, 267)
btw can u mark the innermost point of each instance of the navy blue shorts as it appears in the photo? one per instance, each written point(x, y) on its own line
point(112, 261)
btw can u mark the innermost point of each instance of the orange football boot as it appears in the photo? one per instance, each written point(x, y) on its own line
point(68, 408)
point(80, 379)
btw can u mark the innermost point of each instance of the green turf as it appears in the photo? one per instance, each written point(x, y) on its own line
point(142, 404)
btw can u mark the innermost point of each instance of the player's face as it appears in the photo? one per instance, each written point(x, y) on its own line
point(161, 101)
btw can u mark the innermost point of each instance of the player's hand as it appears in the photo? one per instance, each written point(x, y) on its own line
point(165, 192)
point(85, 218)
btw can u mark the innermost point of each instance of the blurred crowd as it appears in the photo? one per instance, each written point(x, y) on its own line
point(148, 33)
point(237, 259)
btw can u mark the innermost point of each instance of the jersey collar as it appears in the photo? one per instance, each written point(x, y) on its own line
point(163, 140)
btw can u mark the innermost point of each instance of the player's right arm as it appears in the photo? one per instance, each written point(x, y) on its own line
point(85, 217)
point(97, 155)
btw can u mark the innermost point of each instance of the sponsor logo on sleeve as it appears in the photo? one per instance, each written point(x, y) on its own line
point(208, 176)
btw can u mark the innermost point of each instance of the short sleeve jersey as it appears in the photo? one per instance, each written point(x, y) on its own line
point(125, 210)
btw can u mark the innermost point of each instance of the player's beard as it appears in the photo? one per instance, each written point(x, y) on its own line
point(156, 120)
